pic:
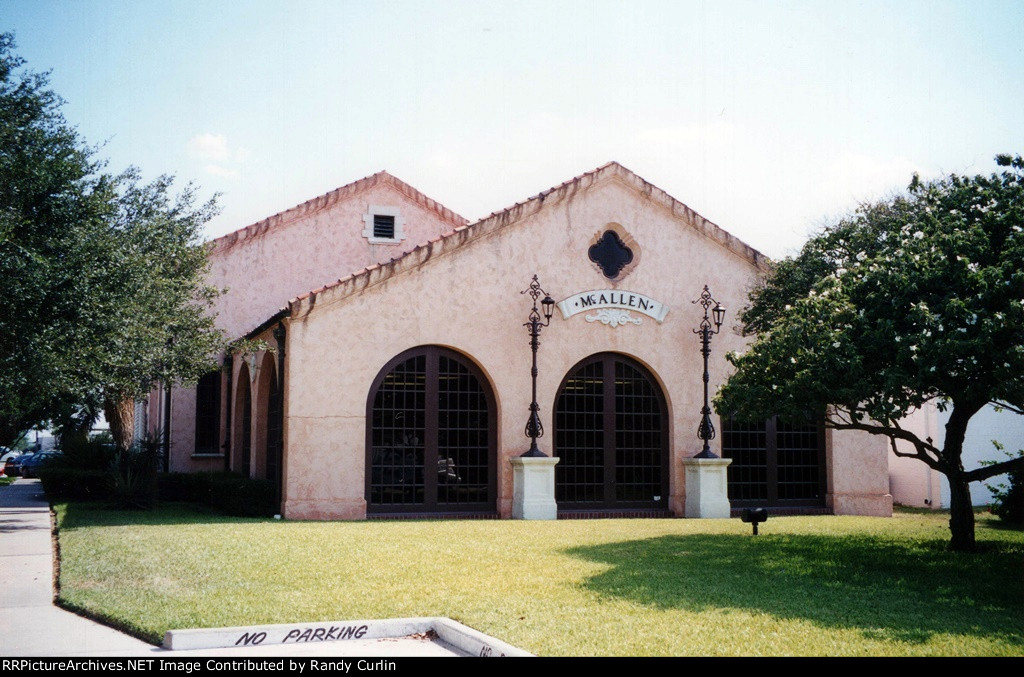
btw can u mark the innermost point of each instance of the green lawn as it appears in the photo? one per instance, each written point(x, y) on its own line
point(806, 585)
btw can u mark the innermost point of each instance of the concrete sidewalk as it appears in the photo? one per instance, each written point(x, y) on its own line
point(30, 624)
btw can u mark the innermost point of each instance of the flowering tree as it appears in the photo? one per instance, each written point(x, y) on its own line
point(911, 300)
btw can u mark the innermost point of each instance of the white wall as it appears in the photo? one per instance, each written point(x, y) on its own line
point(988, 424)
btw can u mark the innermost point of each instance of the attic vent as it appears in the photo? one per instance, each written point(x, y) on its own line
point(383, 226)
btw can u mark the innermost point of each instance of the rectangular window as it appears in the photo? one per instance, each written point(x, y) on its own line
point(775, 463)
point(383, 226)
point(208, 414)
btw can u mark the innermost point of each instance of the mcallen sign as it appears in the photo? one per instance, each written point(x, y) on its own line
point(612, 307)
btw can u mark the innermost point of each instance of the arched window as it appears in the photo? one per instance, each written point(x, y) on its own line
point(431, 439)
point(611, 436)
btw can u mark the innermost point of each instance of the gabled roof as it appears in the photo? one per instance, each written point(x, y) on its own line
point(458, 236)
point(328, 199)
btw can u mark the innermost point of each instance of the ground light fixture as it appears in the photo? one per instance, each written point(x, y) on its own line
point(754, 516)
point(706, 430)
point(534, 428)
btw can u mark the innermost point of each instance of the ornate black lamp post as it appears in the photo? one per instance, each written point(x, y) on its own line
point(534, 429)
point(706, 431)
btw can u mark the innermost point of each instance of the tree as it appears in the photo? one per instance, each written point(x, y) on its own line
point(53, 205)
point(102, 274)
point(912, 300)
point(158, 301)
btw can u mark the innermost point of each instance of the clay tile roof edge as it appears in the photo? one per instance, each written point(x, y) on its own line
point(332, 197)
point(615, 170)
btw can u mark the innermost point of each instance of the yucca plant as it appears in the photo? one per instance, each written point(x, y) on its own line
point(135, 474)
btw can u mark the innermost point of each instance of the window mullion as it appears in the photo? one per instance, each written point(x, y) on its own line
point(430, 425)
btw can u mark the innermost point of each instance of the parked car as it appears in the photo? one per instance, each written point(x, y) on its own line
point(30, 467)
point(12, 468)
point(6, 454)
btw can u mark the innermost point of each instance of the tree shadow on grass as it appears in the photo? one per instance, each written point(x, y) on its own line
point(890, 590)
point(1000, 525)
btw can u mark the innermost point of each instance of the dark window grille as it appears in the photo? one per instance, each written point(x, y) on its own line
point(399, 428)
point(431, 441)
point(747, 445)
point(611, 437)
point(208, 414)
point(775, 463)
point(384, 226)
point(638, 447)
point(579, 437)
point(463, 436)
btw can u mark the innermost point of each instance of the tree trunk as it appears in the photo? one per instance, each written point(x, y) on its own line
point(961, 514)
point(120, 414)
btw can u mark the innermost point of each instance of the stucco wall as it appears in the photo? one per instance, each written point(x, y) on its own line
point(1006, 427)
point(915, 484)
point(263, 266)
point(858, 479)
point(911, 481)
point(467, 298)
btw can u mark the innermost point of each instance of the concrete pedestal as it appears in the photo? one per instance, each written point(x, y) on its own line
point(533, 488)
point(707, 487)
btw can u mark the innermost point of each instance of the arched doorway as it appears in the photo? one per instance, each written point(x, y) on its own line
point(267, 442)
point(611, 436)
point(243, 418)
point(275, 427)
point(430, 435)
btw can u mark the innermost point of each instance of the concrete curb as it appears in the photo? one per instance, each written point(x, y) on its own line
point(454, 633)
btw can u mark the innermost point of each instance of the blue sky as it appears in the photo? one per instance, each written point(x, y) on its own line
point(766, 117)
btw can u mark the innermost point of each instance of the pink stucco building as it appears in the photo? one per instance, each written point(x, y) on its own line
point(397, 379)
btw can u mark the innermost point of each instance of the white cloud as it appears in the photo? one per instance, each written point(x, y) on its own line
point(217, 170)
point(214, 149)
point(209, 147)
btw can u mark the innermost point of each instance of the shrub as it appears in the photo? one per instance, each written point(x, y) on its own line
point(135, 475)
point(1008, 498)
point(88, 454)
point(174, 486)
point(243, 497)
point(95, 471)
point(227, 492)
point(81, 472)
